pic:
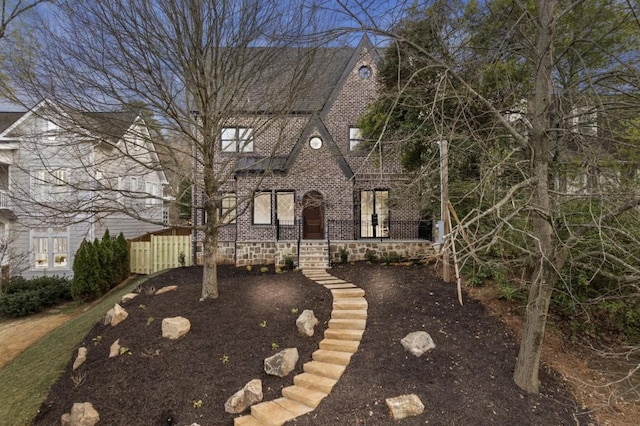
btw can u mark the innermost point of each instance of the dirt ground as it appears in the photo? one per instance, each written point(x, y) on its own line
point(17, 335)
point(465, 380)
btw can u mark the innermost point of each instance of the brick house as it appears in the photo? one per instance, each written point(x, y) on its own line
point(318, 191)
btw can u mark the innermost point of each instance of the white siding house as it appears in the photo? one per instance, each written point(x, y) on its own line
point(66, 176)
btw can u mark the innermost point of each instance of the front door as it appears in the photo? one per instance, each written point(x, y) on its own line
point(312, 216)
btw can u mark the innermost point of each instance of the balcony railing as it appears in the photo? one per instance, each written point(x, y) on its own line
point(5, 200)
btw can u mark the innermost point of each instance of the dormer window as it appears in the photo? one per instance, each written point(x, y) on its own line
point(237, 139)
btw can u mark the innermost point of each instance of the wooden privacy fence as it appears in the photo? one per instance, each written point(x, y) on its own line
point(161, 252)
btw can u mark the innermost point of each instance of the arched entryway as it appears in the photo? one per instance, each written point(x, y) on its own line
point(313, 216)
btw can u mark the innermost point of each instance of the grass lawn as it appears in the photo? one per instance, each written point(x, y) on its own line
point(25, 381)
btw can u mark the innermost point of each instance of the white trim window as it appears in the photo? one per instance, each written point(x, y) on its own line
point(228, 208)
point(262, 208)
point(154, 193)
point(49, 185)
point(355, 138)
point(50, 248)
point(236, 139)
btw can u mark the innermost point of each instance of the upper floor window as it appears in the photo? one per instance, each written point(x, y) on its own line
point(355, 138)
point(584, 121)
point(237, 139)
point(154, 193)
point(49, 185)
point(50, 247)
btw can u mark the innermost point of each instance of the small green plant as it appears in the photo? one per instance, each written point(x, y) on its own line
point(150, 320)
point(288, 263)
point(344, 255)
point(274, 346)
point(508, 291)
point(392, 257)
point(197, 404)
point(249, 268)
point(294, 311)
point(225, 359)
point(96, 340)
point(125, 350)
point(78, 378)
point(264, 270)
point(182, 259)
point(142, 306)
point(370, 256)
point(263, 324)
point(278, 270)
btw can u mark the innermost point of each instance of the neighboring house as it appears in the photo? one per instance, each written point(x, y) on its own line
point(66, 176)
point(309, 186)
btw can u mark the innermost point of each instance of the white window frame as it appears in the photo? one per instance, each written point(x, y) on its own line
point(152, 189)
point(236, 139)
point(49, 185)
point(50, 248)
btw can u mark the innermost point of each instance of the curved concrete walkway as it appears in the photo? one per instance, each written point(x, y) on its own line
point(341, 341)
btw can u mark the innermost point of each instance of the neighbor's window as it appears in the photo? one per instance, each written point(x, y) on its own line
point(228, 208)
point(49, 185)
point(41, 252)
point(262, 208)
point(59, 252)
point(237, 139)
point(50, 247)
point(285, 202)
point(355, 138)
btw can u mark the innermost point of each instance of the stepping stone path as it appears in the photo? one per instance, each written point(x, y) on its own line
point(341, 340)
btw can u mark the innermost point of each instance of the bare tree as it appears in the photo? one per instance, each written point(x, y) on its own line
point(197, 67)
point(536, 122)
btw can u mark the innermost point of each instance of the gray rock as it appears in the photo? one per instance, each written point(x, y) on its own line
point(114, 350)
point(82, 414)
point(404, 406)
point(418, 342)
point(281, 363)
point(306, 322)
point(81, 358)
point(115, 315)
point(166, 289)
point(128, 296)
point(175, 327)
point(250, 394)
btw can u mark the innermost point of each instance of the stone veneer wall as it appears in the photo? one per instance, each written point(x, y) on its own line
point(260, 253)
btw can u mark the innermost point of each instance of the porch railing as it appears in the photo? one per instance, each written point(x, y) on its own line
point(5, 202)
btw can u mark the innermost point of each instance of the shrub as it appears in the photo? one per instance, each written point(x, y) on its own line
point(370, 256)
point(86, 275)
point(121, 257)
point(107, 260)
point(30, 296)
point(344, 255)
point(392, 257)
point(288, 263)
point(20, 304)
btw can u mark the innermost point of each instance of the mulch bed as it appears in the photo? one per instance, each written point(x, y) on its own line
point(465, 380)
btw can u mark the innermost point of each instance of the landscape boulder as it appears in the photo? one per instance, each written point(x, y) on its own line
point(250, 394)
point(404, 406)
point(166, 289)
point(175, 327)
point(81, 358)
point(82, 414)
point(114, 350)
point(306, 322)
point(418, 342)
point(128, 296)
point(115, 315)
point(281, 363)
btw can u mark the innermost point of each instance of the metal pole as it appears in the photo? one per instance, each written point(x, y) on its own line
point(444, 200)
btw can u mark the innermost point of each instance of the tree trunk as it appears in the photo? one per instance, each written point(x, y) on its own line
point(544, 277)
point(210, 269)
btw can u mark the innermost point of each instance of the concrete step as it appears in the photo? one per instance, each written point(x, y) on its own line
point(350, 346)
point(338, 334)
point(330, 281)
point(271, 414)
point(312, 381)
point(278, 411)
point(347, 314)
point(350, 303)
point(339, 293)
point(304, 396)
point(331, 357)
point(247, 420)
point(345, 285)
point(332, 371)
point(348, 324)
